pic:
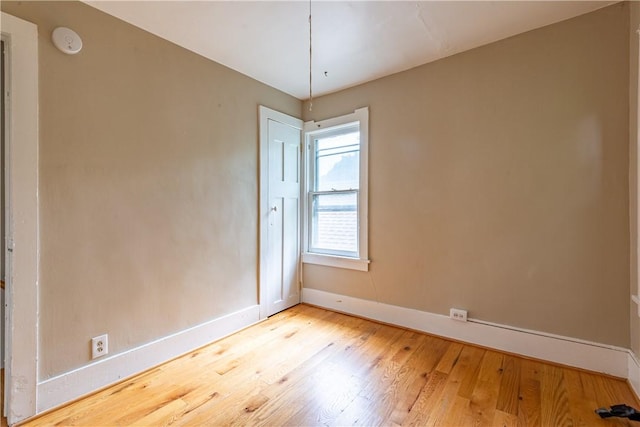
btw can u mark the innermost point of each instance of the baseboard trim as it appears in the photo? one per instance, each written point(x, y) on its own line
point(581, 354)
point(77, 383)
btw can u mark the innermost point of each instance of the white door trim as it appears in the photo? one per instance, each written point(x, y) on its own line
point(22, 197)
point(265, 114)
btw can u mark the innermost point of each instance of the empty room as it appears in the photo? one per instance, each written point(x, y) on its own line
point(320, 213)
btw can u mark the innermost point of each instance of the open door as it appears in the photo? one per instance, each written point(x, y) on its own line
point(280, 214)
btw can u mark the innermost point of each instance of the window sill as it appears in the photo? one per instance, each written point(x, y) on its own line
point(336, 261)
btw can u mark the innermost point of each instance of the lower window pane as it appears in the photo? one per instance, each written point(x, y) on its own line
point(334, 227)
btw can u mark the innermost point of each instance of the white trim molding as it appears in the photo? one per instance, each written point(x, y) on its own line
point(22, 263)
point(71, 385)
point(336, 261)
point(567, 351)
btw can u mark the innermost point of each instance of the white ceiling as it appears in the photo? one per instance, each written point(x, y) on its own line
point(353, 41)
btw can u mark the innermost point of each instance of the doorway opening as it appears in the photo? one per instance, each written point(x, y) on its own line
point(3, 208)
point(20, 128)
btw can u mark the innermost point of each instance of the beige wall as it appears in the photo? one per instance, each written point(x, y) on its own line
point(633, 168)
point(499, 182)
point(148, 185)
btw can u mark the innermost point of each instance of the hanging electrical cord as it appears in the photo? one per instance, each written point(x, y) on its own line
point(310, 63)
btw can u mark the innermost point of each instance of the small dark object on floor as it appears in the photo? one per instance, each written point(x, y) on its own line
point(622, 411)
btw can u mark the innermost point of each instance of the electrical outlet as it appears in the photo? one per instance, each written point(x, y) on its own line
point(458, 314)
point(99, 346)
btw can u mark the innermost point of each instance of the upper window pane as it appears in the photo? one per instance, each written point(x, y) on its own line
point(337, 162)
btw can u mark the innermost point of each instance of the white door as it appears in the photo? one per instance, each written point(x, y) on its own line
point(280, 175)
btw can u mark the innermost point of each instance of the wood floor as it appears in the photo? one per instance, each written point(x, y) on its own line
point(308, 366)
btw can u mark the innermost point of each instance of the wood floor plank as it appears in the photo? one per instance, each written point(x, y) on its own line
point(529, 406)
point(509, 386)
point(459, 413)
point(504, 419)
point(485, 395)
point(434, 410)
point(470, 361)
point(554, 404)
point(450, 358)
point(309, 366)
point(430, 394)
point(421, 364)
point(163, 415)
point(393, 391)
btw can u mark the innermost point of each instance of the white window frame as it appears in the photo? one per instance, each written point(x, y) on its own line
point(311, 128)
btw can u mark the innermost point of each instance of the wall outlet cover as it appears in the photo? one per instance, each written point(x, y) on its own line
point(99, 346)
point(458, 314)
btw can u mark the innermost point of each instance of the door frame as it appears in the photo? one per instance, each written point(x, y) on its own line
point(21, 292)
point(265, 114)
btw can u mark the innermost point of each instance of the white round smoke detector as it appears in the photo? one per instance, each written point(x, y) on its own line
point(67, 40)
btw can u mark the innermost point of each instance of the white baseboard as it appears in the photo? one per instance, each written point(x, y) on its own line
point(74, 384)
point(539, 345)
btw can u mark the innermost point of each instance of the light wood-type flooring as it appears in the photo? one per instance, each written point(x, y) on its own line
point(308, 366)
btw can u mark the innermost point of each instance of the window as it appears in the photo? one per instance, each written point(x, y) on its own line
point(336, 191)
